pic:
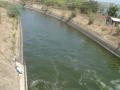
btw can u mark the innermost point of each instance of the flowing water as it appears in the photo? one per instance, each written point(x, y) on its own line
point(58, 57)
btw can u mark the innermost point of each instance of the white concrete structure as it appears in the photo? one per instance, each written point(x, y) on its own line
point(115, 19)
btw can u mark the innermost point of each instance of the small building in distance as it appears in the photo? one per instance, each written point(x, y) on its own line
point(113, 21)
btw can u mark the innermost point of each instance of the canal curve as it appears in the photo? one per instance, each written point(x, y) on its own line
point(58, 57)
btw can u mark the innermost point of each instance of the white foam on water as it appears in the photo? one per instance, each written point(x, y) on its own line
point(92, 76)
point(75, 60)
point(102, 83)
point(46, 85)
point(56, 69)
point(116, 84)
point(74, 63)
point(80, 81)
point(43, 82)
point(85, 76)
point(55, 84)
point(115, 81)
point(34, 83)
point(64, 83)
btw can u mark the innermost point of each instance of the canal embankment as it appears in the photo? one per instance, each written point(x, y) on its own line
point(95, 32)
point(9, 33)
point(12, 66)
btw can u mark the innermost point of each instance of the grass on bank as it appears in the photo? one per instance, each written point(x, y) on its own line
point(91, 18)
point(118, 30)
point(12, 10)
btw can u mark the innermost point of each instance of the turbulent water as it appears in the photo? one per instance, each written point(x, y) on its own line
point(59, 57)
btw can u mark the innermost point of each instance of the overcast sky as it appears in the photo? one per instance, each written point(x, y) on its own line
point(113, 1)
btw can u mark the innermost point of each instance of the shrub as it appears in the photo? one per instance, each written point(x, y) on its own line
point(104, 29)
point(44, 8)
point(13, 11)
point(14, 35)
point(3, 3)
point(71, 6)
point(119, 16)
point(72, 15)
point(23, 3)
point(118, 29)
point(89, 6)
point(91, 19)
point(112, 11)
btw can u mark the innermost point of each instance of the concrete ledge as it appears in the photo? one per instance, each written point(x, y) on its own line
point(23, 76)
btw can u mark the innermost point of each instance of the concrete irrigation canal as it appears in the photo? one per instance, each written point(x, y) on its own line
point(58, 57)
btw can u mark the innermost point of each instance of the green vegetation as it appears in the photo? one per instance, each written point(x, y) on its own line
point(53, 2)
point(84, 6)
point(91, 18)
point(104, 29)
point(14, 35)
point(70, 4)
point(118, 29)
point(13, 39)
point(3, 4)
point(13, 11)
point(44, 8)
point(72, 15)
point(89, 6)
point(22, 3)
point(112, 11)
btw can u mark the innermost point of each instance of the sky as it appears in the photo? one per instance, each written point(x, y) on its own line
point(113, 1)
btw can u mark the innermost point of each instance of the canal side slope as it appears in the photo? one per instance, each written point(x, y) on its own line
point(9, 79)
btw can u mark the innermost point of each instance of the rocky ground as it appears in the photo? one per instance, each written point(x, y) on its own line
point(8, 35)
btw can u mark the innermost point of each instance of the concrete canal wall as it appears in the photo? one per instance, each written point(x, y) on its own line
point(23, 77)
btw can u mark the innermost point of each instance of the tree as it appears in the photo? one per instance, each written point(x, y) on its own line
point(89, 6)
point(112, 11)
point(72, 4)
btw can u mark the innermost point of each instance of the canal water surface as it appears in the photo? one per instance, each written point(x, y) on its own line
point(58, 57)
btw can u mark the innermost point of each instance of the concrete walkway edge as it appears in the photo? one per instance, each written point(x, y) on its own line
point(23, 77)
